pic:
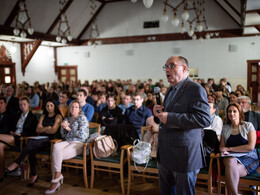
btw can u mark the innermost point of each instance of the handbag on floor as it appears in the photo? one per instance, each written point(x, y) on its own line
point(141, 153)
point(104, 146)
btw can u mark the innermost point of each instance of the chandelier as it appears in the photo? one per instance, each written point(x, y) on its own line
point(63, 29)
point(22, 19)
point(94, 33)
point(147, 3)
point(188, 16)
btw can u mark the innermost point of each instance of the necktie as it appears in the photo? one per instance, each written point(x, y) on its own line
point(170, 96)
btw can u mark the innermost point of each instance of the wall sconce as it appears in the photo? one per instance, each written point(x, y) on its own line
point(22, 18)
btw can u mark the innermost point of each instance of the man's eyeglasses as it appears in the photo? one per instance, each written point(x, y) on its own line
point(171, 66)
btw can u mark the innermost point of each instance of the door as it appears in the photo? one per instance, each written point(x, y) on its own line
point(7, 74)
point(67, 73)
point(253, 79)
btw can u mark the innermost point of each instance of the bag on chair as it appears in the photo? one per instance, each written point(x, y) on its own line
point(104, 147)
point(141, 153)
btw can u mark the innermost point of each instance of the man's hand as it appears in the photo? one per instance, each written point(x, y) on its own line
point(157, 109)
point(163, 117)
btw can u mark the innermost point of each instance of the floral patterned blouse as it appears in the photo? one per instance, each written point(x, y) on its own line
point(79, 129)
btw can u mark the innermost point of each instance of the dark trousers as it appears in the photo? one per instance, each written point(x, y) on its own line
point(32, 147)
point(177, 183)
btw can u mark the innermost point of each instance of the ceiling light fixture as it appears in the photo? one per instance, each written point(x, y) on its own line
point(147, 3)
point(64, 34)
point(22, 18)
point(191, 14)
point(94, 33)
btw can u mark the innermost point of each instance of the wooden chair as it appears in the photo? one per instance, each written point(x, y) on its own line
point(151, 170)
point(245, 183)
point(111, 164)
point(80, 161)
point(204, 177)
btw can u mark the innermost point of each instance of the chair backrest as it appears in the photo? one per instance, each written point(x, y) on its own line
point(94, 127)
point(95, 117)
point(144, 129)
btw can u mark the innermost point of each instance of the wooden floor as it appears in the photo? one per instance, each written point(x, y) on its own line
point(74, 185)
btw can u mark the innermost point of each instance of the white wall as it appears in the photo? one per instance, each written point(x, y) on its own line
point(211, 57)
point(40, 68)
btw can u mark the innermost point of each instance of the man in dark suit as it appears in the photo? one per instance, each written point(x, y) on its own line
point(12, 102)
point(185, 111)
point(250, 116)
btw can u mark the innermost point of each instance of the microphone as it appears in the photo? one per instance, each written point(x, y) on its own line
point(157, 94)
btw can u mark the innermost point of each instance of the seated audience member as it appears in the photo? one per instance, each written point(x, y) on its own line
point(141, 91)
point(20, 92)
point(52, 94)
point(221, 101)
point(111, 114)
point(34, 98)
point(75, 131)
point(127, 102)
point(212, 98)
point(238, 136)
point(250, 116)
point(87, 109)
point(72, 93)
point(42, 93)
point(101, 103)
point(216, 122)
point(63, 99)
point(224, 83)
point(233, 97)
point(211, 81)
point(89, 98)
point(241, 88)
point(12, 102)
point(48, 127)
point(239, 92)
point(149, 100)
point(138, 115)
point(6, 118)
point(25, 125)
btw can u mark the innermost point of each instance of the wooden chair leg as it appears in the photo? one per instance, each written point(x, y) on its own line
point(92, 176)
point(122, 179)
point(129, 182)
point(85, 175)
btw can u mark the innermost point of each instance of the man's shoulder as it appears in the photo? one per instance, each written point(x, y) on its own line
point(87, 105)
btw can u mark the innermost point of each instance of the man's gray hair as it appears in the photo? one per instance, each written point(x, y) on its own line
point(244, 97)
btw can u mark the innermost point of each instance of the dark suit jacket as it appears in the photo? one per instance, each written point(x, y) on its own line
point(13, 105)
point(254, 118)
point(179, 144)
point(29, 125)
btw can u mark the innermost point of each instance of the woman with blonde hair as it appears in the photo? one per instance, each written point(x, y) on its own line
point(75, 131)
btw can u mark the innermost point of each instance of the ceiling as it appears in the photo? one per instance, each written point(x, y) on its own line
point(45, 16)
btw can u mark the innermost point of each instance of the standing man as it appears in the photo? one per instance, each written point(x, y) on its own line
point(87, 108)
point(185, 111)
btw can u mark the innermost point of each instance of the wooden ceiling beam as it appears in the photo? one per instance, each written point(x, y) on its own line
point(220, 2)
point(13, 14)
point(258, 28)
point(163, 37)
point(253, 11)
point(91, 20)
point(55, 22)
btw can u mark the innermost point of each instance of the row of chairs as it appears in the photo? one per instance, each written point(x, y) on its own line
point(116, 163)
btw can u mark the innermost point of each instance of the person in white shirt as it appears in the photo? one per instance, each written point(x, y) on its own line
point(216, 122)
